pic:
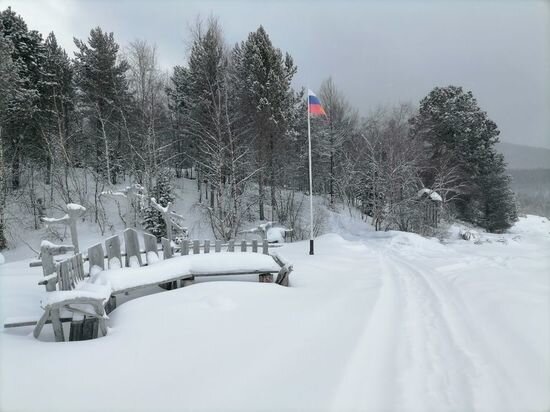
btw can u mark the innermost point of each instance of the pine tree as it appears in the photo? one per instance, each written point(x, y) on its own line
point(263, 84)
point(152, 218)
point(21, 125)
point(457, 132)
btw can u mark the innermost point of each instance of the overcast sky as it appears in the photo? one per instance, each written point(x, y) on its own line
point(377, 53)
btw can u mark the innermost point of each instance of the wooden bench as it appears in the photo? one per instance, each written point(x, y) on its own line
point(90, 297)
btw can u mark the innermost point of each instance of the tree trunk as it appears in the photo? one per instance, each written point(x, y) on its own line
point(16, 171)
point(261, 195)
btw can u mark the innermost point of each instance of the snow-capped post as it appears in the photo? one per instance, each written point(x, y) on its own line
point(74, 211)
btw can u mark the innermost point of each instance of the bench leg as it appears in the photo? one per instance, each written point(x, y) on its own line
point(102, 327)
point(266, 278)
point(111, 304)
point(41, 322)
point(57, 326)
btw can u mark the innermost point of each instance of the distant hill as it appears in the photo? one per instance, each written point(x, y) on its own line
point(524, 157)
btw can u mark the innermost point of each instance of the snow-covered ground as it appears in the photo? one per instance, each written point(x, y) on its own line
point(373, 321)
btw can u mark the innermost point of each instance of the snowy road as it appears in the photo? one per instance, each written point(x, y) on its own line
point(376, 321)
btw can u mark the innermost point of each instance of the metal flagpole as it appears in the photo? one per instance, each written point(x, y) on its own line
point(310, 180)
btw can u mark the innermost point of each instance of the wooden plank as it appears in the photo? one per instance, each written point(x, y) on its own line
point(185, 247)
point(62, 275)
point(75, 333)
point(265, 247)
point(57, 325)
point(243, 246)
point(166, 248)
point(196, 247)
point(96, 256)
point(255, 246)
point(89, 328)
point(218, 246)
point(231, 246)
point(114, 257)
point(150, 243)
point(235, 273)
point(206, 246)
point(131, 244)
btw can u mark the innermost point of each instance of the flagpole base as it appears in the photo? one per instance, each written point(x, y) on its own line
point(311, 246)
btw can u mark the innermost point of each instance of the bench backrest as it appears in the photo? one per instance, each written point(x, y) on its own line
point(71, 271)
point(131, 242)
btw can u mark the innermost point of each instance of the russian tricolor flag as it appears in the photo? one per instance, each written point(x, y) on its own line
point(314, 104)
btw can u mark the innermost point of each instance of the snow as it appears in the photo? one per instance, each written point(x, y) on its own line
point(212, 263)
point(276, 235)
point(56, 219)
point(432, 194)
point(2, 260)
point(373, 321)
point(114, 263)
point(152, 257)
point(134, 262)
point(75, 206)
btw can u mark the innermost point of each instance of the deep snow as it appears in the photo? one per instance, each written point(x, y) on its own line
point(374, 321)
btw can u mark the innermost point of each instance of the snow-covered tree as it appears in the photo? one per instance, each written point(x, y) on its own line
point(162, 192)
point(102, 91)
point(457, 132)
point(266, 101)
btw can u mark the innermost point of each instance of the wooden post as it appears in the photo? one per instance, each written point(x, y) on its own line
point(265, 247)
point(218, 246)
point(206, 246)
point(243, 246)
point(184, 247)
point(255, 246)
point(196, 247)
point(231, 246)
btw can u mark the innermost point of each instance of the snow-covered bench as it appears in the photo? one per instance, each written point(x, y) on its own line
point(91, 297)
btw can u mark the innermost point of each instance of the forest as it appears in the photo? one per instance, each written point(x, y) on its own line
point(74, 127)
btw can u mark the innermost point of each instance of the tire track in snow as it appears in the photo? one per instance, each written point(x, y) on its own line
point(416, 351)
point(492, 386)
point(367, 381)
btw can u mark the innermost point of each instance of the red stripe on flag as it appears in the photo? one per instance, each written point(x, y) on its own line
point(316, 109)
